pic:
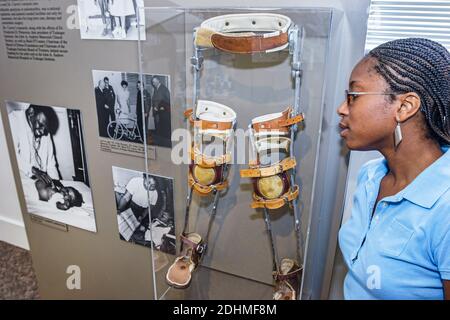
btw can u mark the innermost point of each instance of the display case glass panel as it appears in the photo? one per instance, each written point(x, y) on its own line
point(237, 262)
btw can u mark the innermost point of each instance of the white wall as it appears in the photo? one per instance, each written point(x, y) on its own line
point(12, 229)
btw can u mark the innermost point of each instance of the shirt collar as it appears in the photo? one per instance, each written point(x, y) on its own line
point(428, 186)
point(432, 183)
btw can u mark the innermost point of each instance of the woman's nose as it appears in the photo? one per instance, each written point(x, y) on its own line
point(343, 109)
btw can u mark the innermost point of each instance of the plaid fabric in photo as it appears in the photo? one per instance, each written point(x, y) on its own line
point(127, 223)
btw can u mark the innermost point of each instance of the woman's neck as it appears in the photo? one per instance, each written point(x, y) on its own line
point(410, 158)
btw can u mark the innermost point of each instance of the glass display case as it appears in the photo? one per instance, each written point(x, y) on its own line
point(247, 90)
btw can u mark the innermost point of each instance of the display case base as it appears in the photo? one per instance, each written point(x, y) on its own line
point(209, 284)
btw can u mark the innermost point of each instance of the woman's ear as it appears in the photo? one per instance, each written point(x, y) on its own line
point(409, 106)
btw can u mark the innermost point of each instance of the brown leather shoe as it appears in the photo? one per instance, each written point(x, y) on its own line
point(179, 274)
point(287, 280)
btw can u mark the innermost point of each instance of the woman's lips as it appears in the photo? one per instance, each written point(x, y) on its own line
point(344, 129)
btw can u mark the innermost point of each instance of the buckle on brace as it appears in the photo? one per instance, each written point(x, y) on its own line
point(286, 199)
point(280, 167)
point(297, 225)
point(197, 62)
point(201, 248)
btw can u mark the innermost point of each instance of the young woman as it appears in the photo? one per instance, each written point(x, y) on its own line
point(123, 99)
point(397, 242)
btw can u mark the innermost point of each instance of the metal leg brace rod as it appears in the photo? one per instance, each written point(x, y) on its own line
point(275, 257)
point(215, 204)
point(296, 49)
point(186, 216)
point(213, 214)
point(196, 62)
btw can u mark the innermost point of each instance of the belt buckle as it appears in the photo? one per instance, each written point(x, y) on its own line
point(197, 62)
point(280, 168)
point(271, 171)
point(285, 199)
point(259, 49)
point(201, 248)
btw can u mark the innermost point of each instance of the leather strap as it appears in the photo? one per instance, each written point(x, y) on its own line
point(291, 121)
point(209, 162)
point(284, 165)
point(281, 123)
point(188, 115)
point(206, 124)
point(188, 242)
point(205, 190)
point(245, 33)
point(259, 202)
point(212, 125)
point(277, 276)
point(198, 247)
point(248, 44)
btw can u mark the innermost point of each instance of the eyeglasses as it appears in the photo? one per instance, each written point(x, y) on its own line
point(352, 95)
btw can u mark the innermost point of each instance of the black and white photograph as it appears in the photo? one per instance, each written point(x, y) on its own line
point(111, 19)
point(135, 191)
point(51, 159)
point(122, 113)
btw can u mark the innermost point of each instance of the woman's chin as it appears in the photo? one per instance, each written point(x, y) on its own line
point(353, 146)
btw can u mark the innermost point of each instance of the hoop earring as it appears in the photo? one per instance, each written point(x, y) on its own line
point(398, 135)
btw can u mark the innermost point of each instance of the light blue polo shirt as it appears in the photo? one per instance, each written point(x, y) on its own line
point(403, 251)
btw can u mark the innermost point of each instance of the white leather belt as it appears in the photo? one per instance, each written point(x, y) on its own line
point(212, 117)
point(275, 123)
point(245, 33)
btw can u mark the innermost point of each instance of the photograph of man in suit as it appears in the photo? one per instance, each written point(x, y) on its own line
point(161, 112)
point(143, 126)
point(102, 108)
point(110, 99)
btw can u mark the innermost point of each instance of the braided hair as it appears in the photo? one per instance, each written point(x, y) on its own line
point(421, 66)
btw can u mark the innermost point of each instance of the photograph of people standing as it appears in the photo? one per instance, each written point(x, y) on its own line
point(128, 114)
point(111, 19)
